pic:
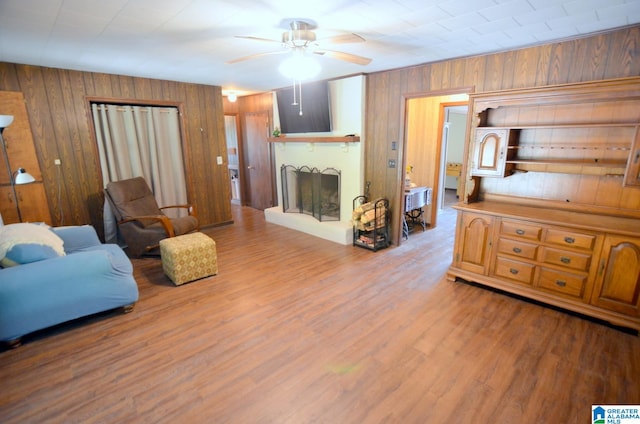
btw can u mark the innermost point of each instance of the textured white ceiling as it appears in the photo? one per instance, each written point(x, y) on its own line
point(190, 40)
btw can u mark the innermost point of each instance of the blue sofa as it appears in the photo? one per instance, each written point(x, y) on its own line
point(41, 285)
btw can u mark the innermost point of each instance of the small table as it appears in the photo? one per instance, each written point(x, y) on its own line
point(414, 200)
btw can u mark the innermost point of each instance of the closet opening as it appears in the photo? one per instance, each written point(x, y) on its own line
point(140, 139)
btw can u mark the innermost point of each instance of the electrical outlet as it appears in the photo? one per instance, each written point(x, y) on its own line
point(56, 162)
point(392, 163)
point(219, 159)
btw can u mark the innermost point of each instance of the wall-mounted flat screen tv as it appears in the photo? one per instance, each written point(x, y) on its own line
point(316, 110)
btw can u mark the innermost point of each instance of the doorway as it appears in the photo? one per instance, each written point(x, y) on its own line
point(428, 145)
point(454, 129)
point(260, 186)
point(231, 128)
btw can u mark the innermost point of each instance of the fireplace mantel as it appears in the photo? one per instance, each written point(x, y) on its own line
point(291, 139)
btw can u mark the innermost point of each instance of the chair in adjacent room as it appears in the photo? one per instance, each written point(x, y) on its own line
point(142, 223)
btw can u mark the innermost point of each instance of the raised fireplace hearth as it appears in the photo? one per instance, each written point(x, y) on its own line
point(309, 191)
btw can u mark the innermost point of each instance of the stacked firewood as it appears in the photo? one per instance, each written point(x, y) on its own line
point(369, 215)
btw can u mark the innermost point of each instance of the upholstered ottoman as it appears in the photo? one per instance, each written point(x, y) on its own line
point(188, 257)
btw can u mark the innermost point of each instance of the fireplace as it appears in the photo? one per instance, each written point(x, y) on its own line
point(309, 191)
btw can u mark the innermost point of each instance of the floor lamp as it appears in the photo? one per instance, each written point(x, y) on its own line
point(20, 176)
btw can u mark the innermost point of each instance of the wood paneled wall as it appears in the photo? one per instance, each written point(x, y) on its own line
point(612, 54)
point(261, 102)
point(58, 108)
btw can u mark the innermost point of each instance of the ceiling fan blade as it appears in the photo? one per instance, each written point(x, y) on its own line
point(248, 37)
point(254, 56)
point(343, 39)
point(348, 57)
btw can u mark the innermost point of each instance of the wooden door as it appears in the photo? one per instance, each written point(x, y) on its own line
point(490, 152)
point(618, 282)
point(18, 137)
point(259, 187)
point(473, 242)
point(21, 154)
point(30, 198)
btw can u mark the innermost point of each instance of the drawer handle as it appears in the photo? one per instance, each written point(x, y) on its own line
point(565, 260)
point(513, 271)
point(561, 283)
point(519, 232)
point(517, 250)
point(569, 240)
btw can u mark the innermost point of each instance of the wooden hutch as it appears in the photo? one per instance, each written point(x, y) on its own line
point(551, 204)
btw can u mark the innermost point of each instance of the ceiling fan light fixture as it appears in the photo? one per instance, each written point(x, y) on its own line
point(299, 67)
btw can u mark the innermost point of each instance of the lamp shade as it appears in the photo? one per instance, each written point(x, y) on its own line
point(5, 120)
point(23, 177)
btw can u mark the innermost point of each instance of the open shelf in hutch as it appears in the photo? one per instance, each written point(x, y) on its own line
point(503, 146)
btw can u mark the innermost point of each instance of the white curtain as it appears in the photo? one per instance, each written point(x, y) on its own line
point(140, 141)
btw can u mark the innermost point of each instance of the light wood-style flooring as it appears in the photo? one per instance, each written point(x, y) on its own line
point(296, 329)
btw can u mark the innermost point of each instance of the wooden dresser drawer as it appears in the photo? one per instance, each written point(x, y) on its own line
point(514, 270)
point(569, 239)
point(520, 229)
point(573, 260)
point(517, 248)
point(562, 282)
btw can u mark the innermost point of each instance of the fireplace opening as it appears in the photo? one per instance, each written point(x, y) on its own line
point(312, 192)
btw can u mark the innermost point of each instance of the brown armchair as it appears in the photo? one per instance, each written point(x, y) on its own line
point(141, 221)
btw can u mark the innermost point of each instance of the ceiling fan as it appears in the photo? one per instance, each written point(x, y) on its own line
point(301, 38)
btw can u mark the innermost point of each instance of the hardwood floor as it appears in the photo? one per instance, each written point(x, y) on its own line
point(296, 329)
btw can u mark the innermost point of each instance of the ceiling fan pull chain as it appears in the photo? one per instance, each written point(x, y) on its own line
point(300, 94)
point(295, 98)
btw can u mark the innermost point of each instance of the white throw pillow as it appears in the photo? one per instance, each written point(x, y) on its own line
point(25, 243)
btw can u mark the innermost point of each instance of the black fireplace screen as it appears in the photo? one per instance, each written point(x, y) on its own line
point(310, 191)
